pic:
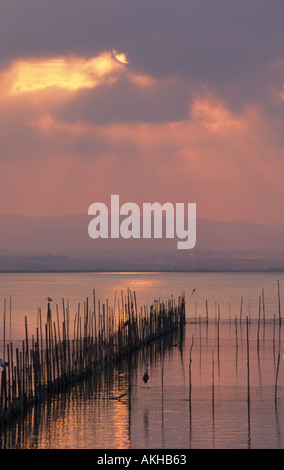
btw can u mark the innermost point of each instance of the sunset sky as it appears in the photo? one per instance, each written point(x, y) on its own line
point(154, 100)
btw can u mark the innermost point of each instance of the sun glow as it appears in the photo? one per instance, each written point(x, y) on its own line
point(69, 73)
point(120, 57)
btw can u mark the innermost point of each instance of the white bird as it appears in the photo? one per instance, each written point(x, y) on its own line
point(3, 364)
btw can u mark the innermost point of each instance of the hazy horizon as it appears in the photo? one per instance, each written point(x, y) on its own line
point(62, 243)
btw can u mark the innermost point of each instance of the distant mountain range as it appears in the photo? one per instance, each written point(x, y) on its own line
point(63, 243)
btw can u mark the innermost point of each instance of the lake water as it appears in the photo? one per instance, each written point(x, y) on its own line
point(116, 410)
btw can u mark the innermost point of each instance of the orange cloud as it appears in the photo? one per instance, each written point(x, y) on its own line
point(142, 80)
point(213, 114)
point(231, 174)
point(67, 73)
point(218, 158)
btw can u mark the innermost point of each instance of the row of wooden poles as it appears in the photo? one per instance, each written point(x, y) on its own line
point(114, 383)
point(261, 320)
point(261, 313)
point(61, 353)
point(248, 371)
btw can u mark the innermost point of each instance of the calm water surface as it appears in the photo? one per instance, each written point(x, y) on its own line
point(117, 410)
point(28, 292)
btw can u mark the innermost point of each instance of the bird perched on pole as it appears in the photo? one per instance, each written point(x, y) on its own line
point(3, 363)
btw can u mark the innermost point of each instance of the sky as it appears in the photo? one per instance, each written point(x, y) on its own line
point(156, 101)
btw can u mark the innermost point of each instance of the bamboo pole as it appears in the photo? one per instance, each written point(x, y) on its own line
point(276, 377)
point(213, 392)
point(218, 339)
point(263, 307)
point(206, 312)
point(279, 306)
point(4, 331)
point(50, 361)
point(10, 317)
point(274, 340)
point(190, 361)
point(258, 325)
point(248, 364)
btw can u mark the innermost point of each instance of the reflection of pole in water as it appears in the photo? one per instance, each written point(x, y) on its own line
point(190, 415)
point(278, 432)
point(213, 398)
point(146, 425)
point(162, 384)
point(249, 433)
point(276, 378)
point(236, 336)
point(200, 345)
point(129, 399)
point(248, 384)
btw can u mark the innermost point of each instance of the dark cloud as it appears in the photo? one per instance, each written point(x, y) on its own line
point(215, 41)
point(126, 101)
point(227, 46)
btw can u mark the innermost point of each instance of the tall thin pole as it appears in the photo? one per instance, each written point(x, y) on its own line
point(213, 381)
point(263, 306)
point(10, 317)
point(276, 378)
point(248, 372)
point(241, 309)
point(4, 331)
point(258, 324)
point(190, 361)
point(279, 306)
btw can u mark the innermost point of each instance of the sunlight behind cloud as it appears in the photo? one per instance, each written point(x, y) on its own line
point(120, 57)
point(69, 73)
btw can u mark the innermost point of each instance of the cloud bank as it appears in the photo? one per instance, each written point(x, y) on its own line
point(155, 101)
